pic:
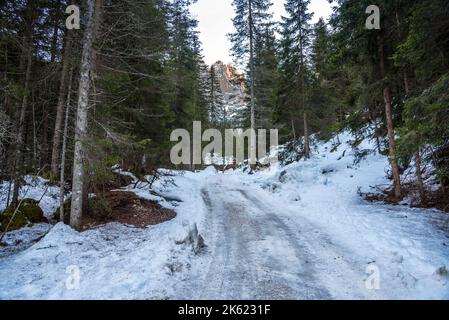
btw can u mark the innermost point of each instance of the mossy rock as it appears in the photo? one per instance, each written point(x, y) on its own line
point(32, 211)
point(19, 221)
point(29, 212)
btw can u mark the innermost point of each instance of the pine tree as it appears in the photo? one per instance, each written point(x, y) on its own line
point(251, 17)
point(30, 17)
point(323, 97)
point(56, 150)
point(373, 47)
point(296, 34)
point(267, 77)
point(420, 55)
point(184, 62)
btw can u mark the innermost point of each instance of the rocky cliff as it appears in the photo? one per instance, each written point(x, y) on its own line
point(233, 87)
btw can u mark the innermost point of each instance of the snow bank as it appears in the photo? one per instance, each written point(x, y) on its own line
point(407, 246)
point(112, 261)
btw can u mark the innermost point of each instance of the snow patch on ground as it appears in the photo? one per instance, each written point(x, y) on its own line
point(18, 240)
point(406, 245)
point(112, 261)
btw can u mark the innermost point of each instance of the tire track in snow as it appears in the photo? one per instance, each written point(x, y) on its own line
point(254, 254)
point(335, 267)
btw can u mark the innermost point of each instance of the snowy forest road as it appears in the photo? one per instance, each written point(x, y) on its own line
point(257, 255)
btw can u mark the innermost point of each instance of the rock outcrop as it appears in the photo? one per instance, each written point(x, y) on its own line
point(233, 87)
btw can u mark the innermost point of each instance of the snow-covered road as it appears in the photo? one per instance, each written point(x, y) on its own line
point(303, 232)
point(239, 226)
point(256, 254)
point(292, 232)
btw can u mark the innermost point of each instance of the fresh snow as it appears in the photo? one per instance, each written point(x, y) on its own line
point(299, 231)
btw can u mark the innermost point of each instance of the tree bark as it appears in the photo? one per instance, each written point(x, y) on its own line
point(303, 88)
point(389, 122)
point(28, 56)
point(60, 109)
point(306, 137)
point(78, 184)
point(251, 62)
point(44, 146)
point(33, 111)
point(418, 162)
point(293, 130)
point(5, 78)
point(404, 69)
point(64, 148)
point(421, 190)
point(406, 81)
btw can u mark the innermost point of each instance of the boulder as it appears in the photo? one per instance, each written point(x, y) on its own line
point(28, 212)
point(19, 221)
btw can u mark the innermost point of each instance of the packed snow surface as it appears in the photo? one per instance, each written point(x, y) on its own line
point(299, 231)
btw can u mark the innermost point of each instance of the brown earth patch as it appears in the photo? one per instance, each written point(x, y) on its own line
point(126, 208)
point(383, 195)
point(129, 209)
point(435, 199)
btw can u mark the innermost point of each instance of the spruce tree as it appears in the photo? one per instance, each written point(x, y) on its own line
point(251, 17)
point(266, 77)
point(297, 34)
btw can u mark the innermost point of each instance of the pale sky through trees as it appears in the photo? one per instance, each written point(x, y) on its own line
point(215, 23)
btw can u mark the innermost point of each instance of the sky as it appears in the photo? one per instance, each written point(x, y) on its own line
point(214, 17)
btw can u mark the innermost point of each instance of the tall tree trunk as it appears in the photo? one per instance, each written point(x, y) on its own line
point(45, 129)
point(44, 146)
point(21, 138)
point(401, 36)
point(293, 130)
point(389, 121)
point(64, 148)
point(421, 190)
point(60, 108)
point(5, 156)
point(406, 81)
point(35, 157)
point(78, 184)
point(303, 87)
point(5, 78)
point(27, 61)
point(418, 162)
point(251, 62)
point(306, 137)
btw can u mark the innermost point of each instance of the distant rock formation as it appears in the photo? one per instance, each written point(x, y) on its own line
point(231, 81)
point(233, 87)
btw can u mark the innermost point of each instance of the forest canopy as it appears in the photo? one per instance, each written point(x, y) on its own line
point(74, 103)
